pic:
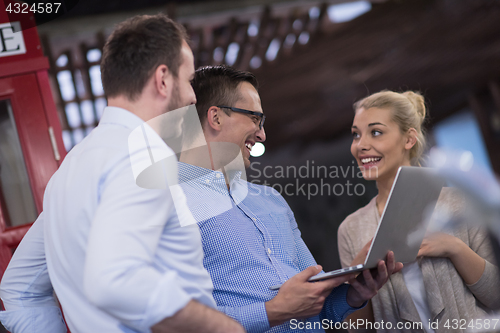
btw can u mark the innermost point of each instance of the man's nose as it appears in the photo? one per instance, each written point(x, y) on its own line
point(261, 135)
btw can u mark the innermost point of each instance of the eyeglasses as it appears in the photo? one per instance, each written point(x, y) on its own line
point(253, 113)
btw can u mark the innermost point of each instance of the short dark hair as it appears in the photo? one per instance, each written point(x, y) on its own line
point(217, 85)
point(135, 49)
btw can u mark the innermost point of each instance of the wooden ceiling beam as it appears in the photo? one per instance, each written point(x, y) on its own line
point(398, 45)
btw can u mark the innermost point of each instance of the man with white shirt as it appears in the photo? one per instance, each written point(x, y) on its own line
point(116, 254)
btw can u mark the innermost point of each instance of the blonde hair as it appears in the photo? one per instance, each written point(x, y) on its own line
point(408, 111)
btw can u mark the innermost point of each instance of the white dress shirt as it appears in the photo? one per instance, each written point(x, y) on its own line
point(116, 254)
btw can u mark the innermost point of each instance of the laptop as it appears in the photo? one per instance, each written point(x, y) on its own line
point(403, 223)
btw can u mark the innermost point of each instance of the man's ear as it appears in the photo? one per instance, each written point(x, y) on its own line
point(163, 77)
point(214, 119)
point(411, 138)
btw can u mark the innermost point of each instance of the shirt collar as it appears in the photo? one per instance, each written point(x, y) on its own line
point(189, 172)
point(116, 115)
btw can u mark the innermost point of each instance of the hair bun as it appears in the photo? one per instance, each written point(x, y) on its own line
point(418, 101)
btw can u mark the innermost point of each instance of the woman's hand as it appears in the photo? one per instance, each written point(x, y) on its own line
point(440, 245)
point(468, 263)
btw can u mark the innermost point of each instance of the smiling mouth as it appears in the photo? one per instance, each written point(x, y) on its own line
point(248, 145)
point(370, 160)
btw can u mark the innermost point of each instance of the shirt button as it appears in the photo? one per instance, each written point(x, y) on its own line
point(217, 175)
point(253, 218)
point(207, 181)
point(269, 251)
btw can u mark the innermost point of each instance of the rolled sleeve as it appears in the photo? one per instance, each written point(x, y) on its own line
point(26, 291)
point(252, 317)
point(34, 320)
point(157, 309)
point(336, 306)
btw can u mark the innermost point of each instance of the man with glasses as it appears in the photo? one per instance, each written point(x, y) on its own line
point(249, 235)
point(258, 117)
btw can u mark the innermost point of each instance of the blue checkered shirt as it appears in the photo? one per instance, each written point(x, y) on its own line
point(251, 242)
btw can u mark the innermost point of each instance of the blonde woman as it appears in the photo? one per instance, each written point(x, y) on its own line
point(454, 280)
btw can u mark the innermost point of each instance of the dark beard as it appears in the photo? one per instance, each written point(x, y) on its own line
point(175, 100)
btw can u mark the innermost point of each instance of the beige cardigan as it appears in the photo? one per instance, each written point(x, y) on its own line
point(447, 295)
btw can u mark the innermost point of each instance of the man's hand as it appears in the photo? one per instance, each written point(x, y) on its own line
point(367, 284)
point(196, 317)
point(298, 298)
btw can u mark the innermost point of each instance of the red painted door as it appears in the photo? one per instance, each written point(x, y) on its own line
point(28, 158)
